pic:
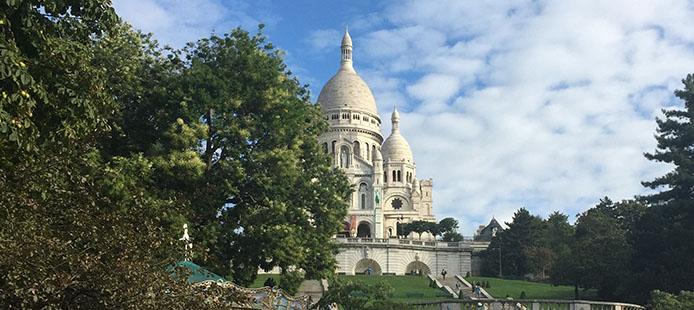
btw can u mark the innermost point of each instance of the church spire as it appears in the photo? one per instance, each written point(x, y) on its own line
point(395, 118)
point(346, 48)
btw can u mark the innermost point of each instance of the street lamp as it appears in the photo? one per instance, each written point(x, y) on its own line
point(500, 257)
point(399, 230)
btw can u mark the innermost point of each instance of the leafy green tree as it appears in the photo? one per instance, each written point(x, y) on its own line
point(539, 260)
point(660, 300)
point(78, 231)
point(452, 237)
point(446, 225)
point(52, 97)
point(76, 235)
point(418, 227)
point(558, 232)
point(524, 233)
point(598, 252)
point(447, 228)
point(263, 179)
point(341, 293)
point(107, 145)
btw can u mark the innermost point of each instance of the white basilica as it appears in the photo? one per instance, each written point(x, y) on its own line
point(383, 173)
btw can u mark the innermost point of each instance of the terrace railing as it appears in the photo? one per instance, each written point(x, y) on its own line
point(414, 242)
point(525, 304)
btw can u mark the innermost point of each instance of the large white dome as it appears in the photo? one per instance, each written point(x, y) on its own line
point(347, 90)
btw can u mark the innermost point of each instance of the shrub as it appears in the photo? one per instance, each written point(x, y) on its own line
point(523, 296)
point(467, 274)
point(270, 282)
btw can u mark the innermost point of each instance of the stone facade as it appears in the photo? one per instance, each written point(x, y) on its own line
point(403, 256)
point(383, 173)
point(386, 189)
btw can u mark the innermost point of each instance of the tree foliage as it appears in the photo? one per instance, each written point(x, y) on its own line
point(52, 97)
point(342, 294)
point(447, 225)
point(523, 233)
point(264, 179)
point(660, 300)
point(659, 235)
point(108, 143)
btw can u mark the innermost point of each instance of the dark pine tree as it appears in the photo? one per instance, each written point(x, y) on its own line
point(662, 238)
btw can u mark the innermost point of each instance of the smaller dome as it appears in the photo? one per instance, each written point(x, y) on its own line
point(396, 148)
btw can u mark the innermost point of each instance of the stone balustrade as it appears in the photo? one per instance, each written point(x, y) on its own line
point(413, 242)
point(525, 304)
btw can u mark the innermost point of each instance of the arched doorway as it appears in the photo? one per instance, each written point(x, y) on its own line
point(417, 267)
point(363, 266)
point(364, 230)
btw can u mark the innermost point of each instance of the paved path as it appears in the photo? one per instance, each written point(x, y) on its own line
point(451, 281)
point(311, 288)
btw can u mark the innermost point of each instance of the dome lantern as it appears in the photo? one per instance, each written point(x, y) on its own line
point(346, 90)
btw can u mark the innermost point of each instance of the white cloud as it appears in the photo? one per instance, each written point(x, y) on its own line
point(548, 106)
point(323, 39)
point(178, 22)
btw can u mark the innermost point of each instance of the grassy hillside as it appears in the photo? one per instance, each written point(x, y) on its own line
point(499, 288)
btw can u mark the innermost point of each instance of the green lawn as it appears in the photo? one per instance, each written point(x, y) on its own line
point(533, 290)
point(499, 287)
point(261, 279)
point(402, 286)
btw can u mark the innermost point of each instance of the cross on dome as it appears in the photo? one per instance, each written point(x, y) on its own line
point(395, 118)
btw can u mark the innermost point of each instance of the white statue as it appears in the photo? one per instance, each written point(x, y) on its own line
point(188, 243)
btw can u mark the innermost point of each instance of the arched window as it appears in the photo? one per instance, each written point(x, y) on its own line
point(332, 150)
point(373, 149)
point(363, 201)
point(325, 147)
point(385, 176)
point(399, 178)
point(395, 176)
point(357, 149)
point(344, 157)
point(366, 148)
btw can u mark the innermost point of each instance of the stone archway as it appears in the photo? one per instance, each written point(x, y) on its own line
point(364, 264)
point(417, 267)
point(364, 230)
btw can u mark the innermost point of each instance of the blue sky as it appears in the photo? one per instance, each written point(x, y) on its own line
point(547, 105)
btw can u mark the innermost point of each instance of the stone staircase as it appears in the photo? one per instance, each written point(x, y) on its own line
point(466, 289)
point(312, 288)
point(449, 285)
